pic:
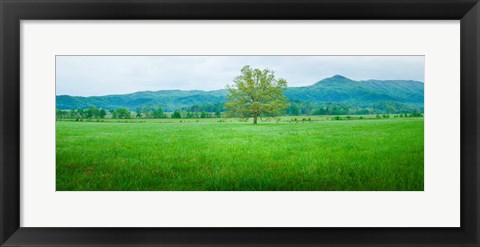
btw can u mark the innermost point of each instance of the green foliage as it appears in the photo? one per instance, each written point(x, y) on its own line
point(205, 107)
point(73, 113)
point(256, 92)
point(293, 110)
point(61, 114)
point(122, 113)
point(90, 112)
point(176, 114)
point(158, 113)
point(80, 113)
point(308, 108)
point(102, 113)
point(138, 112)
point(416, 114)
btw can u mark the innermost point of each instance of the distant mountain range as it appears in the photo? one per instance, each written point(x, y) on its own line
point(336, 89)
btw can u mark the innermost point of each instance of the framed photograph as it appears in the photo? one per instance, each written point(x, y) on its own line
point(155, 123)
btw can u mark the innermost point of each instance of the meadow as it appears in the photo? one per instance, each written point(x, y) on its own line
point(283, 154)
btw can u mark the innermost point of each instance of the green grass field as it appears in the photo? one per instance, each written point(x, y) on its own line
point(208, 155)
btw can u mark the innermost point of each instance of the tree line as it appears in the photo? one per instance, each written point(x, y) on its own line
point(200, 111)
point(308, 108)
point(90, 112)
point(93, 112)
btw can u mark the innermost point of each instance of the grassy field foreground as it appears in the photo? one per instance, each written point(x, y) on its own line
point(353, 155)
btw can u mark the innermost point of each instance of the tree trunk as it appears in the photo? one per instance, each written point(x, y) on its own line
point(254, 119)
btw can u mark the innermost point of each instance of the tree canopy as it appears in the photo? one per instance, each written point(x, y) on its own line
point(256, 93)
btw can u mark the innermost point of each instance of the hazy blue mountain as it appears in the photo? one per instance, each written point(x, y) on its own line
point(169, 100)
point(336, 89)
point(341, 89)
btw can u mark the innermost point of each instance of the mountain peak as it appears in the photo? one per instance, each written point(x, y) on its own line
point(335, 79)
point(339, 77)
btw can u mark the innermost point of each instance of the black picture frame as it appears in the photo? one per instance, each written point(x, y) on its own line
point(13, 11)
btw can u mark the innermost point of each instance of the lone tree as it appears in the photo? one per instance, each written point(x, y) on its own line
point(256, 93)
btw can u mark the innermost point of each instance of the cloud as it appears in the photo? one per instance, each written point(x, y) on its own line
point(103, 75)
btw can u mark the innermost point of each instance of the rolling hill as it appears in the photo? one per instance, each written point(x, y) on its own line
point(336, 89)
point(341, 89)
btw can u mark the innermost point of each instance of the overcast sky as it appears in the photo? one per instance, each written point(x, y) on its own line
point(103, 75)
